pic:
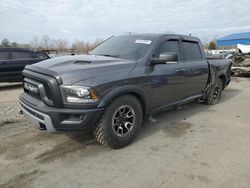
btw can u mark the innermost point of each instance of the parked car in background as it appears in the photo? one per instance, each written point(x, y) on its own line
point(13, 61)
point(219, 54)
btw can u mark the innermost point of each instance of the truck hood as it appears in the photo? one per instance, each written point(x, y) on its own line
point(73, 69)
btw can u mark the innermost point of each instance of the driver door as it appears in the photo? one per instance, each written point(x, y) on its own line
point(167, 80)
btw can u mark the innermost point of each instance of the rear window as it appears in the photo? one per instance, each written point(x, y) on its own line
point(20, 55)
point(4, 55)
point(191, 50)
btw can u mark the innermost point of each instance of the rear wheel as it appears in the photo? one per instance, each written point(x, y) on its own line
point(214, 94)
point(120, 122)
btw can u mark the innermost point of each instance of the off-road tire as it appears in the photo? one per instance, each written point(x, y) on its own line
point(213, 97)
point(104, 132)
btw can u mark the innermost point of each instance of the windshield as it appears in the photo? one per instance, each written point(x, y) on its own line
point(131, 47)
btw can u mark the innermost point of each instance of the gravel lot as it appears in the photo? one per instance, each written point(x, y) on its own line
point(198, 146)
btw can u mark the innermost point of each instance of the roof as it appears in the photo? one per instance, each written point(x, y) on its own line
point(236, 36)
point(162, 35)
point(14, 48)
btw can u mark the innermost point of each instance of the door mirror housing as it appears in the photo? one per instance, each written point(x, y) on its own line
point(165, 57)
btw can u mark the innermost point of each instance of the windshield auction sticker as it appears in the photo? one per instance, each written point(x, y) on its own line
point(140, 41)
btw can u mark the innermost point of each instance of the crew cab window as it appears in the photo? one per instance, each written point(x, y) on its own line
point(20, 55)
point(169, 46)
point(191, 50)
point(4, 55)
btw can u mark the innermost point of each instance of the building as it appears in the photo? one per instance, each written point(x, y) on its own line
point(234, 39)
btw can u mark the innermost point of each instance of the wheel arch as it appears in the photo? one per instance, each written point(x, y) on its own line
point(223, 79)
point(124, 90)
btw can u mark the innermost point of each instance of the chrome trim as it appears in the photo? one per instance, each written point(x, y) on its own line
point(47, 120)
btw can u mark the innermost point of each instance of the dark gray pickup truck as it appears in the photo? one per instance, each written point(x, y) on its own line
point(120, 83)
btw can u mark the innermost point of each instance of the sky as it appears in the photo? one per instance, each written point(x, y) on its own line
point(22, 20)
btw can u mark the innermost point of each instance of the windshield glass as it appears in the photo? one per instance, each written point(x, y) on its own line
point(131, 47)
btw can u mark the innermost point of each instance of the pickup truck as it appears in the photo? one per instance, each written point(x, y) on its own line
point(119, 84)
point(13, 61)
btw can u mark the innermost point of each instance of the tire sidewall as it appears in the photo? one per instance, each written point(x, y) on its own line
point(112, 108)
point(211, 100)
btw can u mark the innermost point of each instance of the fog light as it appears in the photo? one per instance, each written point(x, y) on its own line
point(72, 118)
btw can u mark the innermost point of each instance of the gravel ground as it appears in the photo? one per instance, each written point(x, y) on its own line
point(198, 146)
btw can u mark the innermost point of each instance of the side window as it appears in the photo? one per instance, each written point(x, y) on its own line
point(169, 46)
point(4, 55)
point(20, 55)
point(191, 51)
point(38, 55)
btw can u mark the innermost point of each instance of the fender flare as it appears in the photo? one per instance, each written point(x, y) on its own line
point(122, 90)
point(212, 78)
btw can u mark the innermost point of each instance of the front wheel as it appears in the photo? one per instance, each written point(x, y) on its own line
point(214, 94)
point(120, 122)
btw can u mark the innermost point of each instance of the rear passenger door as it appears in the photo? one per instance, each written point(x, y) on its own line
point(196, 68)
point(19, 59)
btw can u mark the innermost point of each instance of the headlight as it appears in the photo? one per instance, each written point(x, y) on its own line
point(79, 94)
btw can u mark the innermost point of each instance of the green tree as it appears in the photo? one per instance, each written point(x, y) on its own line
point(14, 44)
point(5, 43)
point(212, 45)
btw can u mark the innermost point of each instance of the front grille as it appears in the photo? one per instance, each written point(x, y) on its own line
point(49, 91)
point(45, 86)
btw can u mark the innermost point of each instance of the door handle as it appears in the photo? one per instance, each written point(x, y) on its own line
point(179, 70)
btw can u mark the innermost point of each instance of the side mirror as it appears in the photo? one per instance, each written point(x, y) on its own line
point(165, 57)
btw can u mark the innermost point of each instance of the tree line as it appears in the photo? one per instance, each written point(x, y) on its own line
point(60, 45)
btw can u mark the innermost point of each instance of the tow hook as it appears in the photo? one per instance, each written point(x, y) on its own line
point(42, 127)
point(20, 112)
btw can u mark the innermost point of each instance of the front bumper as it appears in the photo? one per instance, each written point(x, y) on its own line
point(58, 119)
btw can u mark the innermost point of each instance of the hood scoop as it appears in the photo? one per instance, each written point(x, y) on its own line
point(82, 62)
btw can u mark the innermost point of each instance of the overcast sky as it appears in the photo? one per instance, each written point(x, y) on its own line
point(21, 20)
